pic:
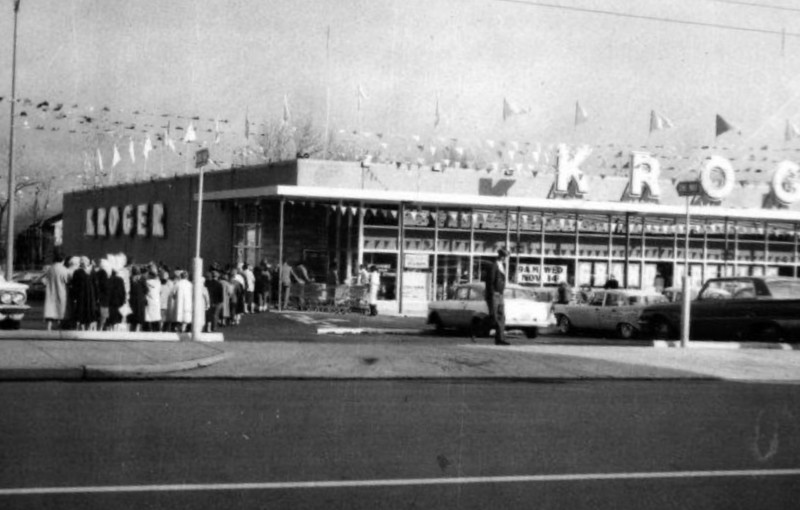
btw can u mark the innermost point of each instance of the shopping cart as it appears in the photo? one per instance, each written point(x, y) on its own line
point(358, 298)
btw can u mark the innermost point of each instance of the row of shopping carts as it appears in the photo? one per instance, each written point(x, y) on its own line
point(318, 297)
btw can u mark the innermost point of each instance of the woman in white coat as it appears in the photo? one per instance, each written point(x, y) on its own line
point(374, 286)
point(182, 301)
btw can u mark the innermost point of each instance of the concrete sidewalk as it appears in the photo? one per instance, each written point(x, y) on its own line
point(295, 345)
point(79, 360)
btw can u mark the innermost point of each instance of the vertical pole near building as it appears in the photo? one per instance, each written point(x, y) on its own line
point(11, 184)
point(198, 308)
point(687, 283)
point(401, 258)
point(280, 254)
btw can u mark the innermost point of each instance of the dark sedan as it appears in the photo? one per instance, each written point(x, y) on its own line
point(740, 308)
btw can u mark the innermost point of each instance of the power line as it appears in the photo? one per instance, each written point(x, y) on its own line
point(652, 18)
point(760, 6)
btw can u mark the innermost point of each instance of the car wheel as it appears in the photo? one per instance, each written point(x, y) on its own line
point(437, 323)
point(662, 330)
point(626, 331)
point(564, 325)
point(532, 332)
point(767, 333)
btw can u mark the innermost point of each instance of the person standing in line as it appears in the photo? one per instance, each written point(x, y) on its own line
point(363, 275)
point(249, 288)
point(167, 286)
point(182, 301)
point(287, 275)
point(116, 299)
point(611, 283)
point(333, 276)
point(374, 286)
point(55, 293)
point(229, 302)
point(495, 286)
point(215, 297)
point(152, 309)
point(102, 278)
point(84, 296)
point(262, 287)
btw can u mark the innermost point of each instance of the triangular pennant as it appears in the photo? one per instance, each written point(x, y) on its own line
point(510, 109)
point(659, 122)
point(190, 135)
point(132, 151)
point(723, 126)
point(580, 114)
point(287, 116)
point(116, 158)
point(792, 131)
point(148, 147)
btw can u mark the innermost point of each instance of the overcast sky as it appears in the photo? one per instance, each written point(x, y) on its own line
point(227, 59)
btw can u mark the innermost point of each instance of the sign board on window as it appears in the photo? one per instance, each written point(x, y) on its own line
point(531, 274)
point(417, 261)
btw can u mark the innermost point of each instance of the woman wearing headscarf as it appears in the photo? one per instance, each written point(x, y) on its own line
point(152, 309)
point(55, 295)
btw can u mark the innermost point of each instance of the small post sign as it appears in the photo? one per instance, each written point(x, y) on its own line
point(689, 188)
point(201, 158)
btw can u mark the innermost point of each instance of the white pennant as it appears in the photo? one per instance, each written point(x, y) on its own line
point(131, 151)
point(148, 147)
point(116, 158)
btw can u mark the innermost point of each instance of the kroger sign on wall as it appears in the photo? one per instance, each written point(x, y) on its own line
point(142, 220)
point(717, 177)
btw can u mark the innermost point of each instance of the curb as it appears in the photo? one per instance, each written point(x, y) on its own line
point(97, 372)
point(699, 344)
point(109, 336)
point(370, 331)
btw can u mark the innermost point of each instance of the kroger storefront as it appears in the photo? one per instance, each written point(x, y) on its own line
point(428, 226)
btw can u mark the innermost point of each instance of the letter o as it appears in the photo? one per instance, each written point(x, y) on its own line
point(712, 189)
point(786, 182)
point(127, 220)
point(113, 221)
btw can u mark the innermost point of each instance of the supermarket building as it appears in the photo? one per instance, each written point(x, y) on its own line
point(427, 227)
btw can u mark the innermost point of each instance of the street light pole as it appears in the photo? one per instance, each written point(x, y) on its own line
point(687, 189)
point(198, 305)
point(686, 305)
point(11, 183)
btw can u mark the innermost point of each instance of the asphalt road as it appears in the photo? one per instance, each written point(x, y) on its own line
point(399, 444)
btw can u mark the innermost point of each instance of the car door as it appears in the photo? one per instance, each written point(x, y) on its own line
point(612, 310)
point(458, 313)
point(585, 316)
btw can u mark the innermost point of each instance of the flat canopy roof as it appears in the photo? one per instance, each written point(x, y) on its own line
point(427, 199)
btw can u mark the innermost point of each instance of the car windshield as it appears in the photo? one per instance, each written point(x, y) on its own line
point(729, 289)
point(784, 289)
point(647, 300)
point(534, 294)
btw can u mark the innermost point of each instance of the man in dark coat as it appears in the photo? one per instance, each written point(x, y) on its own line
point(495, 285)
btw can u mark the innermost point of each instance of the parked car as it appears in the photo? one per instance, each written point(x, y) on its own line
point(609, 310)
point(13, 296)
point(525, 309)
point(738, 308)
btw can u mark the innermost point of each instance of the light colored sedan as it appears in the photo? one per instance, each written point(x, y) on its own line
point(610, 310)
point(525, 309)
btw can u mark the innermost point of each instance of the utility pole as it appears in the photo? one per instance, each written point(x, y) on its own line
point(11, 184)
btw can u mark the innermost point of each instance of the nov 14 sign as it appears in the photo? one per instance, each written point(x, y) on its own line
point(534, 274)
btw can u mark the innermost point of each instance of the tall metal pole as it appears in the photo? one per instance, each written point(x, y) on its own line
point(11, 184)
point(686, 286)
point(199, 310)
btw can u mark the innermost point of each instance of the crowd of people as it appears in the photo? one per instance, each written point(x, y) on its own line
point(109, 294)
